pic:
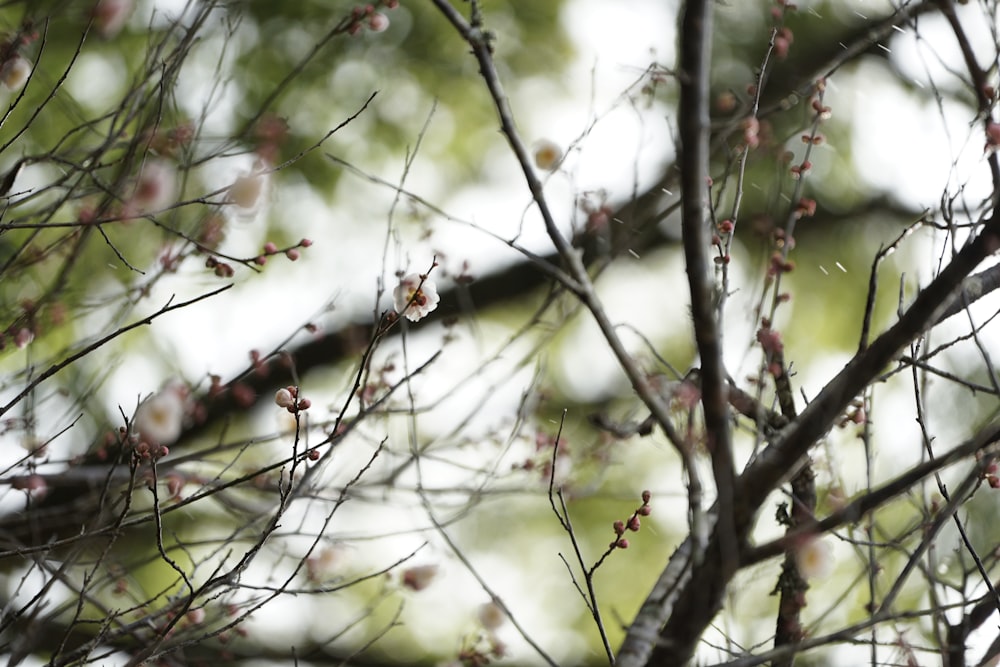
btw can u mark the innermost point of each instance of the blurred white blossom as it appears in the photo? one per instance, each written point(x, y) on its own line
point(160, 418)
point(15, 72)
point(547, 154)
point(814, 558)
point(491, 615)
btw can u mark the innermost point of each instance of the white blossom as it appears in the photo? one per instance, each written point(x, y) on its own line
point(814, 558)
point(245, 190)
point(491, 615)
point(160, 418)
point(415, 297)
point(15, 72)
point(547, 154)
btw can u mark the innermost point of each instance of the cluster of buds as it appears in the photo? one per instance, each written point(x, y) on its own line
point(632, 524)
point(288, 398)
point(769, 339)
point(145, 451)
point(822, 112)
point(806, 208)
point(221, 269)
point(724, 228)
point(291, 252)
point(779, 264)
point(366, 17)
point(800, 170)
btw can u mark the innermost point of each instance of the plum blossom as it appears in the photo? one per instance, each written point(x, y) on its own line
point(249, 192)
point(245, 191)
point(283, 398)
point(160, 418)
point(415, 297)
point(14, 73)
point(491, 615)
point(814, 558)
point(547, 154)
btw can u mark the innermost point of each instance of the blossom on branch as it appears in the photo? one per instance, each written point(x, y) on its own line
point(548, 154)
point(415, 297)
point(14, 73)
point(160, 418)
point(814, 556)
